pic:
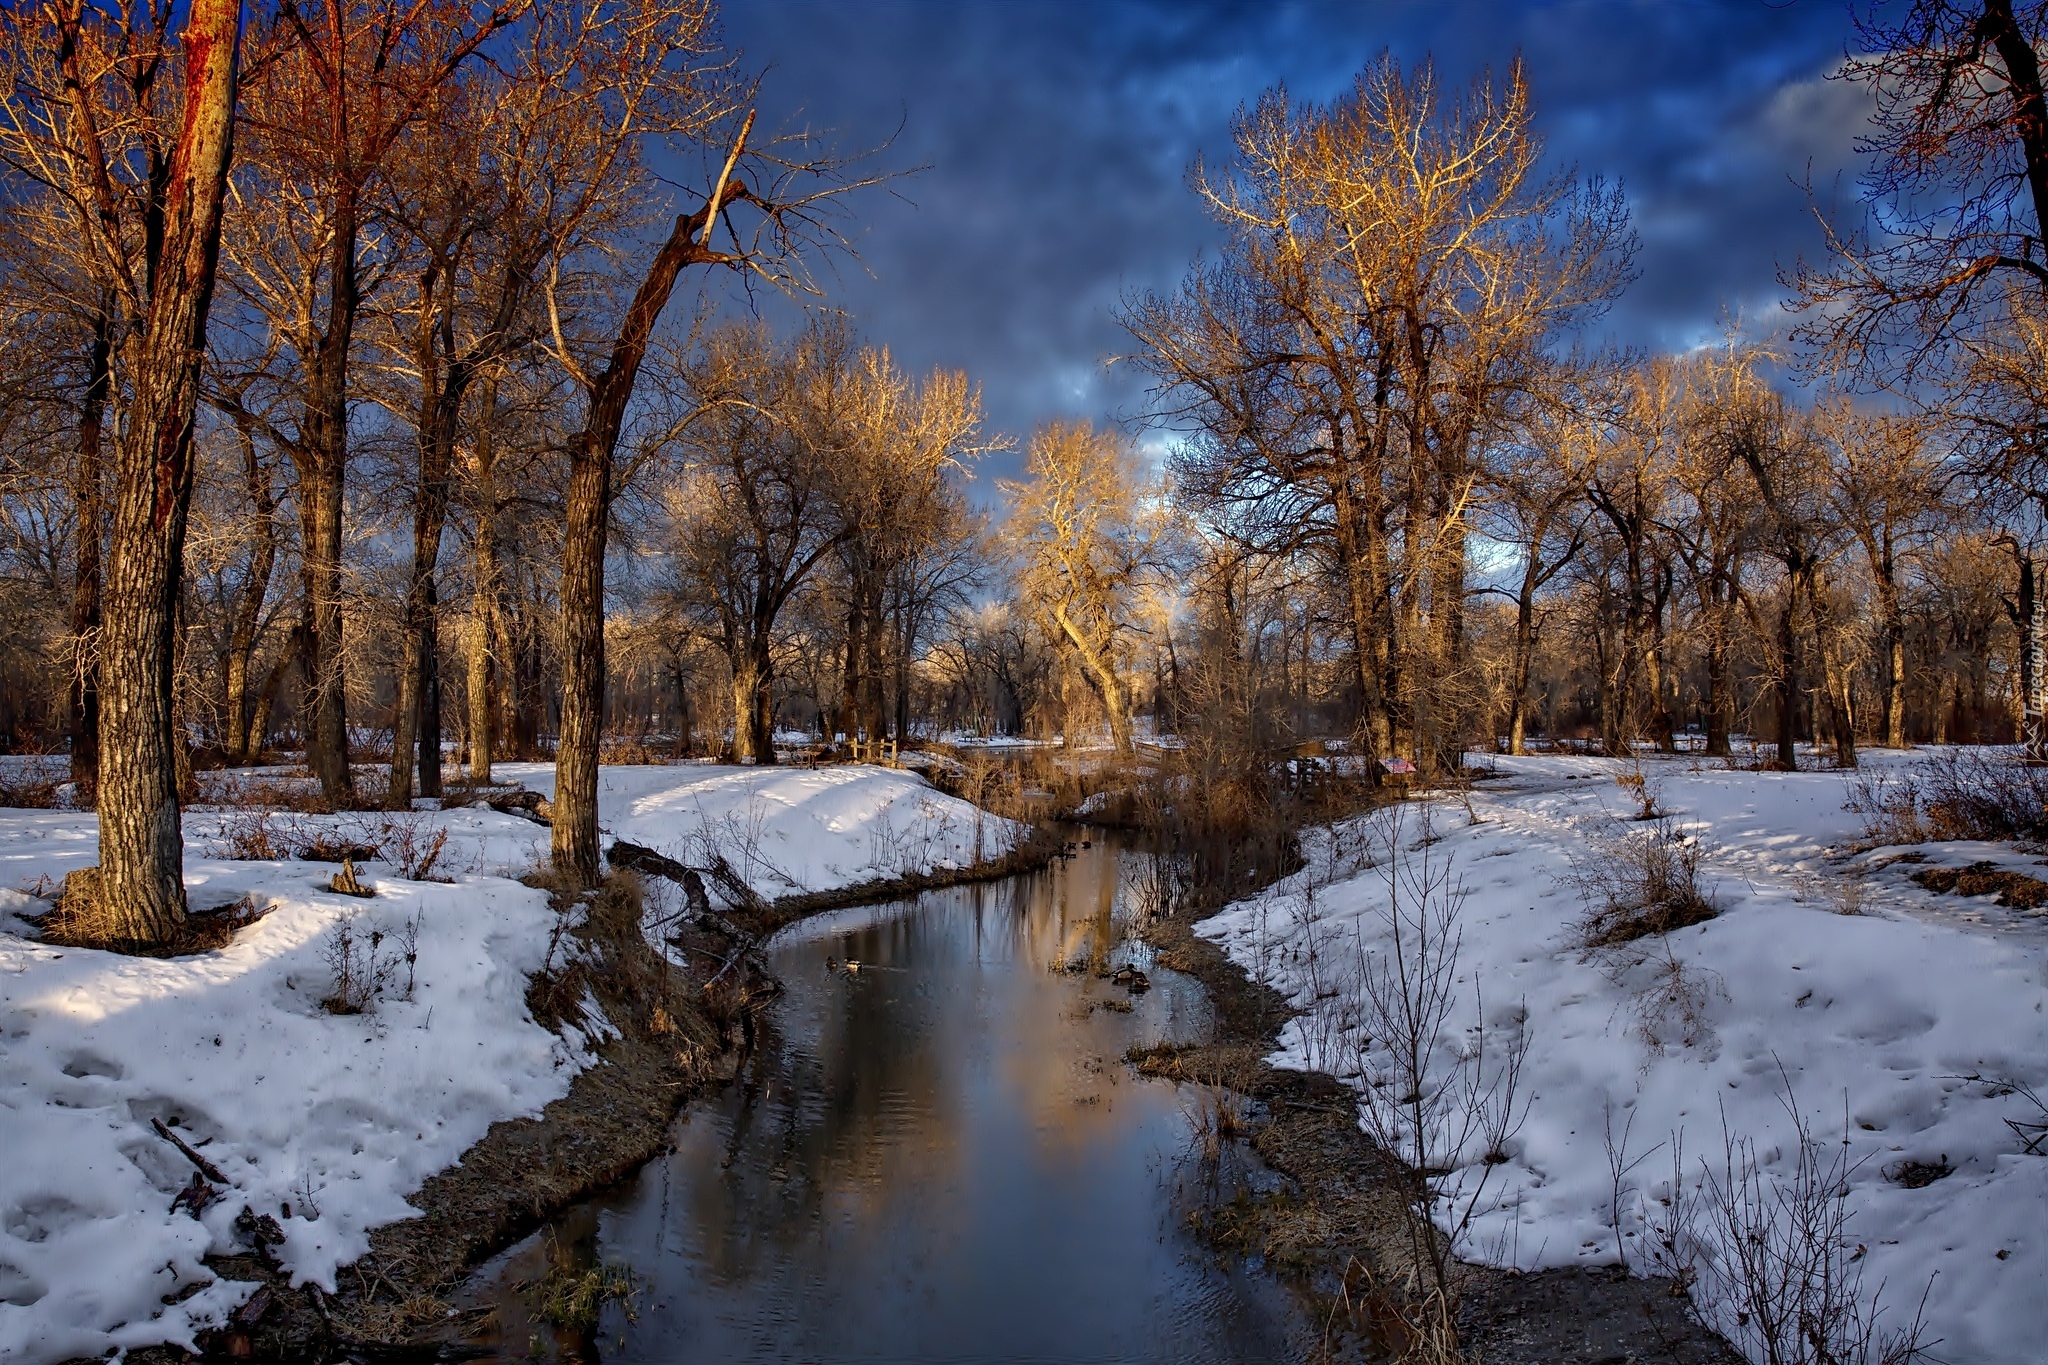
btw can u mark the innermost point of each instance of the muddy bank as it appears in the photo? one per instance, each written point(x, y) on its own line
point(1344, 1212)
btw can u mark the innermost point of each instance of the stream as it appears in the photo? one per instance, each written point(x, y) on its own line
point(941, 1156)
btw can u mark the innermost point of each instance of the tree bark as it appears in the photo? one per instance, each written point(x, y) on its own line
point(445, 379)
point(1525, 647)
point(323, 464)
point(1788, 680)
point(88, 498)
point(142, 853)
point(249, 606)
point(417, 724)
point(753, 719)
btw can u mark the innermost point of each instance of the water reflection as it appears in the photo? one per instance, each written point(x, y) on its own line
point(938, 1157)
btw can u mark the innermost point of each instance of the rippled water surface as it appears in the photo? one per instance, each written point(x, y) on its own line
point(941, 1157)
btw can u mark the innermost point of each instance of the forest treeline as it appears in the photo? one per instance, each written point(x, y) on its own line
point(377, 385)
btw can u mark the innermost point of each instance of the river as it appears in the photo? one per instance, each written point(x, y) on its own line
point(939, 1156)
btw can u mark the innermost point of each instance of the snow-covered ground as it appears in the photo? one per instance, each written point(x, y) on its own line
point(1876, 999)
point(791, 830)
point(327, 1122)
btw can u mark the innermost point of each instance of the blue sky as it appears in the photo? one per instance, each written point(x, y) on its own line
point(1056, 136)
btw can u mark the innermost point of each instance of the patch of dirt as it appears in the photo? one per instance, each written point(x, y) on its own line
point(2015, 890)
point(1343, 1218)
point(1918, 1175)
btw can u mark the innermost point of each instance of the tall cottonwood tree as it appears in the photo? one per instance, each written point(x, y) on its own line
point(1957, 188)
point(341, 86)
point(1882, 490)
point(904, 441)
point(791, 196)
point(144, 155)
point(1397, 263)
point(754, 514)
point(1540, 508)
point(1084, 531)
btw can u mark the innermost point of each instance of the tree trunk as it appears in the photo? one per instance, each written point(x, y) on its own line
point(266, 697)
point(1720, 697)
point(323, 469)
point(2033, 713)
point(142, 853)
point(86, 586)
point(1525, 647)
point(1834, 673)
point(753, 681)
point(1352, 561)
point(574, 844)
point(419, 711)
point(1788, 681)
point(478, 639)
point(249, 606)
point(847, 721)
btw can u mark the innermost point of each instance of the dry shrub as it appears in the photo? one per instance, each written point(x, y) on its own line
point(411, 841)
point(361, 964)
point(635, 752)
point(280, 793)
point(28, 791)
point(1778, 1273)
point(1889, 802)
point(1643, 790)
point(1954, 794)
point(330, 846)
point(1640, 883)
point(256, 835)
point(1670, 1008)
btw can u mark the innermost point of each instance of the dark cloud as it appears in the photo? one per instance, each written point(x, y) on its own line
point(1056, 137)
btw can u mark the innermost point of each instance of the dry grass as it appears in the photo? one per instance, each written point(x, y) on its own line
point(2016, 890)
point(632, 752)
point(82, 920)
point(575, 1298)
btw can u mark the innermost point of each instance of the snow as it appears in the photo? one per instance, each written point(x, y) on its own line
point(792, 830)
point(334, 1118)
point(1875, 999)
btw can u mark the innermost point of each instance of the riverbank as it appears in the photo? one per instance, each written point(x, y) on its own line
point(601, 991)
point(1345, 1209)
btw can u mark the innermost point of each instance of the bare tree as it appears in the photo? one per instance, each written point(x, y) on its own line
point(1084, 536)
point(1397, 264)
point(1958, 187)
point(149, 203)
point(904, 442)
point(341, 87)
point(1882, 479)
point(753, 517)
